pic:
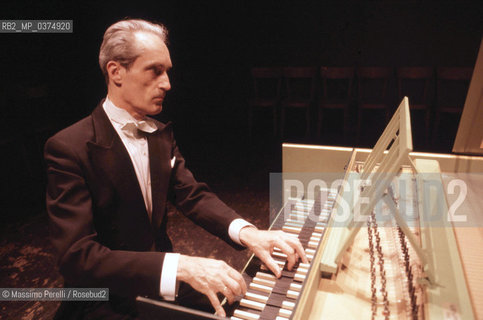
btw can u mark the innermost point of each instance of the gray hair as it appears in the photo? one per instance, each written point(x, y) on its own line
point(119, 43)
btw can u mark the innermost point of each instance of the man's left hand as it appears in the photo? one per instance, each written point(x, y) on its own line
point(262, 243)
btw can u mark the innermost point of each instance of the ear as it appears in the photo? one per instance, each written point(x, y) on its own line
point(115, 72)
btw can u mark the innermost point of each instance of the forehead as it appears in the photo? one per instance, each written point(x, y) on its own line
point(152, 49)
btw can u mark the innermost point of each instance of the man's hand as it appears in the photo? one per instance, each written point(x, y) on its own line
point(262, 242)
point(209, 277)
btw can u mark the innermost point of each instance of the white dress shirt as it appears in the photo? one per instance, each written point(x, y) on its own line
point(136, 145)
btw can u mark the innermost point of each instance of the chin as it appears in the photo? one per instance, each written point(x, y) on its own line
point(156, 110)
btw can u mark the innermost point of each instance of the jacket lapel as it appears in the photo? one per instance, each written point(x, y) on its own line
point(159, 162)
point(110, 156)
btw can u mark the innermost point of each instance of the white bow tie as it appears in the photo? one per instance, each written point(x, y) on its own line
point(133, 128)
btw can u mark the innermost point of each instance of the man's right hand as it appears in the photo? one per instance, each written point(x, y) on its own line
point(209, 277)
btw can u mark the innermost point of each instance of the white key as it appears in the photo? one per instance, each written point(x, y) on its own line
point(309, 256)
point(292, 294)
point(289, 305)
point(291, 229)
point(314, 239)
point(246, 315)
point(316, 235)
point(252, 304)
point(313, 244)
point(284, 312)
point(256, 297)
point(295, 287)
point(304, 205)
point(279, 255)
point(304, 265)
point(310, 251)
point(299, 277)
point(264, 282)
point(281, 263)
point(298, 216)
point(302, 271)
point(301, 208)
point(296, 223)
point(299, 212)
point(266, 276)
point(260, 287)
point(319, 228)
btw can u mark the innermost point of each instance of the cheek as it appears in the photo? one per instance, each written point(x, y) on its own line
point(151, 91)
point(136, 90)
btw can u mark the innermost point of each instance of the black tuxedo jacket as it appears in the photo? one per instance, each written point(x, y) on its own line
point(99, 223)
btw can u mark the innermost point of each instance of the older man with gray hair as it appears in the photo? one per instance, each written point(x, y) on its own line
point(110, 176)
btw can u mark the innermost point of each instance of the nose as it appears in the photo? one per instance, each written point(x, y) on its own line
point(164, 83)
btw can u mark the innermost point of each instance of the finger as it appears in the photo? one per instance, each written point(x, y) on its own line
point(289, 251)
point(238, 278)
point(295, 244)
point(228, 293)
point(216, 304)
point(271, 265)
point(233, 286)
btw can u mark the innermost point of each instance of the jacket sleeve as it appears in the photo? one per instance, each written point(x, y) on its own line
point(82, 260)
point(197, 202)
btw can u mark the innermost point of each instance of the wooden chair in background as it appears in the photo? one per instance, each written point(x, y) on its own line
point(300, 93)
point(336, 93)
point(266, 93)
point(417, 83)
point(372, 92)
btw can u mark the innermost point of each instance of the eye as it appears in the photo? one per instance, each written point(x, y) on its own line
point(157, 71)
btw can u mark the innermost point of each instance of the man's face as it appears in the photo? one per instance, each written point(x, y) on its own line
point(144, 85)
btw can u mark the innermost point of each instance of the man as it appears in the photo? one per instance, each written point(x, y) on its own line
point(110, 176)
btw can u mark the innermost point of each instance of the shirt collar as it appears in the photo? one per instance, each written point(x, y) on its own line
point(126, 121)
